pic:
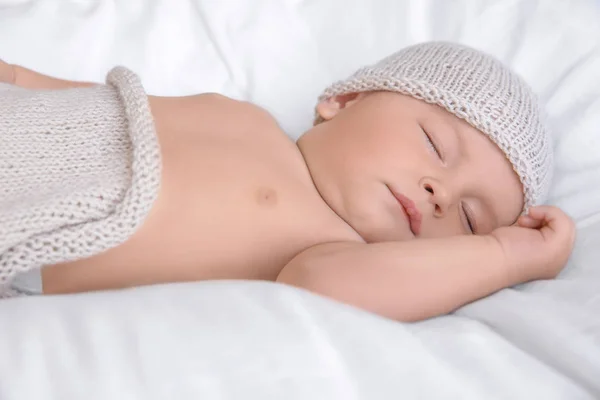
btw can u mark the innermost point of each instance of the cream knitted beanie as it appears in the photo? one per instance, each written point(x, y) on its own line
point(473, 86)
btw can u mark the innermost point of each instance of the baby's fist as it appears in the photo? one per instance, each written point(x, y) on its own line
point(538, 245)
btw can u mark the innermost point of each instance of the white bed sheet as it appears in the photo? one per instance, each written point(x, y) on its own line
point(258, 340)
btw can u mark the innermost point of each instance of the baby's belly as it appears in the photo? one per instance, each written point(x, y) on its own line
point(168, 251)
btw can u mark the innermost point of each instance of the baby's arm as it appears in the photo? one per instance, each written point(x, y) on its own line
point(26, 78)
point(406, 281)
point(423, 278)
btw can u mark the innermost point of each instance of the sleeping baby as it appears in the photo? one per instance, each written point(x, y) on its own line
point(418, 189)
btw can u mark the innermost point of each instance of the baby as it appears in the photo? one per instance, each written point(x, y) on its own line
point(417, 190)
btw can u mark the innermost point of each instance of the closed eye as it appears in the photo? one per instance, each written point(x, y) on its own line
point(432, 145)
point(470, 219)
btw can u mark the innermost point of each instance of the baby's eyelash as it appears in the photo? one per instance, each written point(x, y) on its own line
point(432, 145)
point(470, 219)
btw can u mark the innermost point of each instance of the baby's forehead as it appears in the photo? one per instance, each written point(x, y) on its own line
point(409, 106)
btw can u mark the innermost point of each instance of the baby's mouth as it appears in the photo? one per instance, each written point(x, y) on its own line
point(410, 210)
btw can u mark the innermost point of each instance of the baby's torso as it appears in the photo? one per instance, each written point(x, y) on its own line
point(236, 202)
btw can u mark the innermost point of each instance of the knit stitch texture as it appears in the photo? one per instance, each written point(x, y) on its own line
point(79, 171)
point(473, 86)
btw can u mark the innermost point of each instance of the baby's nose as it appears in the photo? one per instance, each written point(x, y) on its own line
point(439, 196)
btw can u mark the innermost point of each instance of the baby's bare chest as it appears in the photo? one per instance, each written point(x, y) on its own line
point(236, 200)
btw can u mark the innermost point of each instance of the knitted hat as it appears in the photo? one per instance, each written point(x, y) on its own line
point(473, 86)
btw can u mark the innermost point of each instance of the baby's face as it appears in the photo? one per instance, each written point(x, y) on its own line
point(380, 156)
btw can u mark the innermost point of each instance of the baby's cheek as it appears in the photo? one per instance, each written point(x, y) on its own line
point(432, 227)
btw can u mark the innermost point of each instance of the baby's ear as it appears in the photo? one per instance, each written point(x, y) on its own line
point(330, 107)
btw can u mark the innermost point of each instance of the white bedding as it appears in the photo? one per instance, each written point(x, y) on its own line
point(256, 340)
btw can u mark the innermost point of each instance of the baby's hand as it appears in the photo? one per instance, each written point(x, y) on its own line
point(29, 79)
point(7, 73)
point(538, 245)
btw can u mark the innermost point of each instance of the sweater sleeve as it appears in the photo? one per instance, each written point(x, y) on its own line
point(79, 171)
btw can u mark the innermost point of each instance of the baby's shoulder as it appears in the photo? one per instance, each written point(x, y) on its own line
point(210, 114)
point(222, 105)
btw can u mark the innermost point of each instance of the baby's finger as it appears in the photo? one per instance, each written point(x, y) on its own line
point(544, 213)
point(525, 221)
point(554, 218)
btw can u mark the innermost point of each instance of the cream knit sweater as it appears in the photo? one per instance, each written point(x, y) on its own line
point(79, 171)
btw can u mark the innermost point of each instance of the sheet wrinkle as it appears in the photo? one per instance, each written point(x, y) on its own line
point(524, 17)
point(581, 62)
point(522, 334)
point(326, 345)
point(215, 42)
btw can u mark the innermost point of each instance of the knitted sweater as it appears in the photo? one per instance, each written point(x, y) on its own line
point(79, 171)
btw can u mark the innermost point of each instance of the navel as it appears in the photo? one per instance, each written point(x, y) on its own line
point(266, 196)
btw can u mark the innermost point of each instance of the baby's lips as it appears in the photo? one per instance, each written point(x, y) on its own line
point(415, 219)
point(415, 215)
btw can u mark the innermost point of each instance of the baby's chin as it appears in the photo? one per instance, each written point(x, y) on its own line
point(373, 232)
point(375, 217)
